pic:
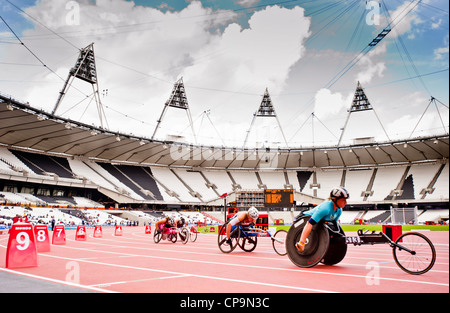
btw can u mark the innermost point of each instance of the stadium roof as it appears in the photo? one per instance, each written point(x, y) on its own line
point(27, 128)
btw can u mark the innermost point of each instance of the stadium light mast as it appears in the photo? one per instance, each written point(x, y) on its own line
point(360, 103)
point(178, 100)
point(266, 109)
point(86, 70)
point(432, 100)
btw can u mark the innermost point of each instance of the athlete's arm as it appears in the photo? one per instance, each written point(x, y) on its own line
point(157, 228)
point(237, 219)
point(317, 216)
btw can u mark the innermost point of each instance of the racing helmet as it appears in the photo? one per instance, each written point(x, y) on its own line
point(253, 213)
point(339, 192)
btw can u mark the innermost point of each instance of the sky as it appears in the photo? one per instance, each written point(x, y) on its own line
point(309, 55)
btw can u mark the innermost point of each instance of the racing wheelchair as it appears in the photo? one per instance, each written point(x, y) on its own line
point(413, 252)
point(246, 237)
point(171, 234)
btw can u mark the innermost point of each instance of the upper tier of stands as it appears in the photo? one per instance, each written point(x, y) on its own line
point(152, 184)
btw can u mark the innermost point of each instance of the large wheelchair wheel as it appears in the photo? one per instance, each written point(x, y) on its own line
point(337, 248)
point(222, 238)
point(316, 243)
point(157, 236)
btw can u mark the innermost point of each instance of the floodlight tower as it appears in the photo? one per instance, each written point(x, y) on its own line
point(266, 109)
point(177, 100)
point(360, 103)
point(86, 70)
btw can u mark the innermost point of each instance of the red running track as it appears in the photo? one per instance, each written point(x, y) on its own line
point(134, 263)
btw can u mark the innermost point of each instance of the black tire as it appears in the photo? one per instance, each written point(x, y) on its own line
point(222, 237)
point(248, 244)
point(157, 237)
point(316, 246)
point(423, 257)
point(337, 248)
point(172, 237)
point(279, 243)
point(184, 235)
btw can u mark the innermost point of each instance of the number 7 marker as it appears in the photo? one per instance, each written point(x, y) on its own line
point(59, 235)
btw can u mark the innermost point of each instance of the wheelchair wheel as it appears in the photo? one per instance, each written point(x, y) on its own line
point(423, 255)
point(172, 237)
point(316, 244)
point(157, 237)
point(279, 242)
point(222, 238)
point(184, 235)
point(193, 235)
point(337, 248)
point(248, 244)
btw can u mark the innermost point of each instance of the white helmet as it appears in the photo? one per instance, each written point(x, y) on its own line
point(339, 192)
point(253, 213)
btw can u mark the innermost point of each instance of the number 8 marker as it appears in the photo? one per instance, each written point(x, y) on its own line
point(41, 235)
point(42, 238)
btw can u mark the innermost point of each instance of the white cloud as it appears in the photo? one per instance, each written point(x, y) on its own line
point(437, 24)
point(142, 51)
point(427, 121)
point(371, 71)
point(262, 54)
point(328, 103)
point(403, 18)
point(247, 3)
point(370, 67)
point(440, 53)
point(208, 48)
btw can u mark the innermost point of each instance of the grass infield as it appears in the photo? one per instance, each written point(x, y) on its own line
point(350, 228)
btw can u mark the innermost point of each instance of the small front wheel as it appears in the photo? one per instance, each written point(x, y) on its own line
point(279, 242)
point(414, 253)
point(193, 234)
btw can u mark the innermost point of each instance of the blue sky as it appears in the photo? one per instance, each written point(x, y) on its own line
point(228, 53)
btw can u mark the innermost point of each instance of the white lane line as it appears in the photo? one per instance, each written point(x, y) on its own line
point(193, 275)
point(296, 270)
point(137, 281)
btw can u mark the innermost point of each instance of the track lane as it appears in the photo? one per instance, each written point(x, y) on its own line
point(134, 263)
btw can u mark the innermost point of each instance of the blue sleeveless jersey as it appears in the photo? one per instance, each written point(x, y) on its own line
point(324, 211)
